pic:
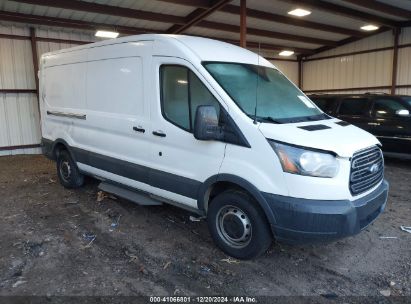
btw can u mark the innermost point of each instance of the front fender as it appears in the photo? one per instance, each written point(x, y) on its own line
point(246, 185)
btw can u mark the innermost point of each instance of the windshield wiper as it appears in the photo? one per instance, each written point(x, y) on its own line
point(265, 119)
point(318, 117)
point(308, 118)
point(291, 120)
point(270, 119)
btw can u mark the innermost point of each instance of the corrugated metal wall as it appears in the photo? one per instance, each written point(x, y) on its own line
point(19, 117)
point(404, 62)
point(373, 69)
point(377, 41)
point(364, 70)
point(44, 47)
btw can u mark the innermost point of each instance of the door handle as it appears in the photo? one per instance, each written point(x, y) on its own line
point(159, 133)
point(139, 129)
point(374, 123)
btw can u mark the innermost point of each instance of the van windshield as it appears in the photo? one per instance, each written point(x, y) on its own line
point(264, 92)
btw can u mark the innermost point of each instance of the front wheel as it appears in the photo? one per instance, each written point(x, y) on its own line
point(238, 226)
point(67, 171)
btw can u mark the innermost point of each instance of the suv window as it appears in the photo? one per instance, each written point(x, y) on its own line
point(353, 106)
point(385, 107)
point(181, 93)
point(324, 104)
point(407, 100)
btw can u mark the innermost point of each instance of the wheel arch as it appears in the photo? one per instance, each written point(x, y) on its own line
point(59, 144)
point(232, 181)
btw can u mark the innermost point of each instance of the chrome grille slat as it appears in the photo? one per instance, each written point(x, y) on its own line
point(365, 164)
point(362, 189)
point(369, 160)
point(363, 172)
point(365, 151)
point(365, 183)
point(361, 177)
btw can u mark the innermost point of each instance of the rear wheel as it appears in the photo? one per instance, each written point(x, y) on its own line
point(238, 226)
point(68, 172)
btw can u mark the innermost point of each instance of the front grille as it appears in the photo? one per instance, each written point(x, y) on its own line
point(367, 170)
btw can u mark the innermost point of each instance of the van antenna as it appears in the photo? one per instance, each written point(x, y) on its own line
point(256, 87)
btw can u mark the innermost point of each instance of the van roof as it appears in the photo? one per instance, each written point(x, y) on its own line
point(204, 48)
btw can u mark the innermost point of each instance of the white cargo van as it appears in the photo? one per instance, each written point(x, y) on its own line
point(212, 128)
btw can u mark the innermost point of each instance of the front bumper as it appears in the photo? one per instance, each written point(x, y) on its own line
point(301, 221)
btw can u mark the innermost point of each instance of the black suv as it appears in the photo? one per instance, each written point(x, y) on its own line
point(386, 116)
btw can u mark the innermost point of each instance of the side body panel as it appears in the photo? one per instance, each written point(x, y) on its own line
point(116, 105)
point(107, 88)
point(394, 131)
point(62, 94)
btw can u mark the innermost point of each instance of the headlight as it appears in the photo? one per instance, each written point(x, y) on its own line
point(305, 162)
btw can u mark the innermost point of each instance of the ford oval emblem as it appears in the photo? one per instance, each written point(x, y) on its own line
point(374, 168)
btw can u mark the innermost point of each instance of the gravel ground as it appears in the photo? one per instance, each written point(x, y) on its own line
point(55, 241)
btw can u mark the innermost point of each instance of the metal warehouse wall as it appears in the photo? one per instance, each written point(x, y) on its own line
point(404, 63)
point(362, 66)
point(19, 116)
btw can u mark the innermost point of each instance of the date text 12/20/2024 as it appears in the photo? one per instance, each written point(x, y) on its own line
point(203, 300)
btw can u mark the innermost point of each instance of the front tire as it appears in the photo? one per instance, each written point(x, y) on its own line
point(68, 172)
point(238, 226)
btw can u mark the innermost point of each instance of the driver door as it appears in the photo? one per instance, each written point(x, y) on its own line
point(180, 163)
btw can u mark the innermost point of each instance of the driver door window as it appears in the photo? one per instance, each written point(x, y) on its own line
point(353, 106)
point(181, 93)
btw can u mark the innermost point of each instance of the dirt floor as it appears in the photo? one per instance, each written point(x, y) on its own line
point(59, 242)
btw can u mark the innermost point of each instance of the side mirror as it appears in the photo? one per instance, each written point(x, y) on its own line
point(206, 124)
point(402, 112)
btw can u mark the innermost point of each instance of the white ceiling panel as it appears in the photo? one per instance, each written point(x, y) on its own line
point(149, 5)
point(274, 26)
point(404, 4)
point(236, 36)
point(282, 8)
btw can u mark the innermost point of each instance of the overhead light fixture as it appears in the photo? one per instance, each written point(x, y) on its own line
point(369, 27)
point(299, 12)
point(286, 53)
point(106, 34)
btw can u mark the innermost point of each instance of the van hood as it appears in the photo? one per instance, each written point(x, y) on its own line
point(344, 140)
